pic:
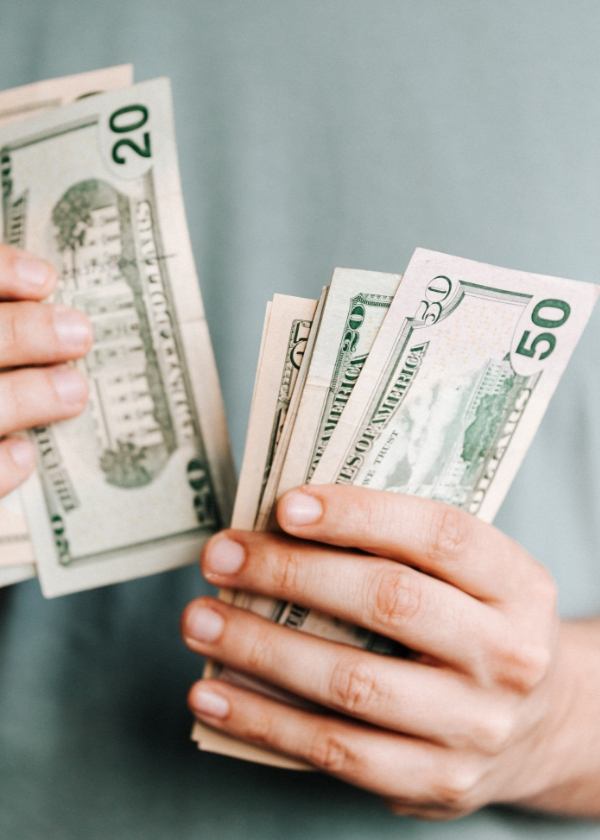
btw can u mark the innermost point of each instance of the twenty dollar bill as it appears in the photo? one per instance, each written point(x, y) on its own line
point(19, 103)
point(136, 483)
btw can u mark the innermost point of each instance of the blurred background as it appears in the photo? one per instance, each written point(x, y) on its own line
point(312, 134)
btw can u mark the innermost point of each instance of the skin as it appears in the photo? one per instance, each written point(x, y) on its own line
point(498, 703)
point(36, 340)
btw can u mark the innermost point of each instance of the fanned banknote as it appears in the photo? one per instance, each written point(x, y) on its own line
point(286, 335)
point(286, 348)
point(457, 382)
point(17, 104)
point(449, 397)
point(285, 416)
point(136, 483)
point(357, 302)
point(330, 365)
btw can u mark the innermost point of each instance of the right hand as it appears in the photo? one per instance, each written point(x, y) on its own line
point(36, 339)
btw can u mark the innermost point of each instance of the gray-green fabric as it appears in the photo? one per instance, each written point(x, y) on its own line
point(312, 133)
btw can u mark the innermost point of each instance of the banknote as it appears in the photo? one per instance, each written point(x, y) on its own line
point(447, 401)
point(15, 546)
point(357, 303)
point(30, 100)
point(285, 351)
point(453, 391)
point(457, 382)
point(287, 418)
point(286, 335)
point(136, 483)
point(352, 313)
point(16, 104)
point(16, 574)
point(288, 346)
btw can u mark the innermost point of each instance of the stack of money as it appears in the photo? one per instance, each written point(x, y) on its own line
point(139, 481)
point(432, 383)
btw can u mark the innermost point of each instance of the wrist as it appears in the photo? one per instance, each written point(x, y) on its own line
point(560, 767)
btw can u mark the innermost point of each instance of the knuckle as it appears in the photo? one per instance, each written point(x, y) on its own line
point(10, 331)
point(455, 786)
point(533, 665)
point(524, 665)
point(449, 534)
point(330, 752)
point(353, 686)
point(395, 598)
point(259, 729)
point(492, 733)
point(285, 569)
point(259, 655)
point(12, 401)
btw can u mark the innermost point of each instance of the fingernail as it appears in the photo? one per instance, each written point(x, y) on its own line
point(208, 703)
point(70, 385)
point(31, 271)
point(22, 453)
point(224, 557)
point(72, 327)
point(204, 625)
point(301, 509)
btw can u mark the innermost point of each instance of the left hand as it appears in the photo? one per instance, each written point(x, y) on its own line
point(456, 726)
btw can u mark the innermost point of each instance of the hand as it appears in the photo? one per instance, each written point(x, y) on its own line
point(467, 721)
point(34, 339)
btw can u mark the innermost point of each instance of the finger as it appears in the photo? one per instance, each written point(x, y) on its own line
point(439, 539)
point(35, 396)
point(432, 703)
point(385, 763)
point(42, 333)
point(17, 461)
point(389, 598)
point(23, 276)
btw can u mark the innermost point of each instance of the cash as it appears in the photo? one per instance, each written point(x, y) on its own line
point(432, 383)
point(289, 331)
point(442, 400)
point(137, 483)
point(31, 100)
point(357, 301)
point(290, 320)
point(17, 104)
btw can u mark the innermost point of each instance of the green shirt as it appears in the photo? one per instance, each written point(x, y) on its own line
point(312, 133)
